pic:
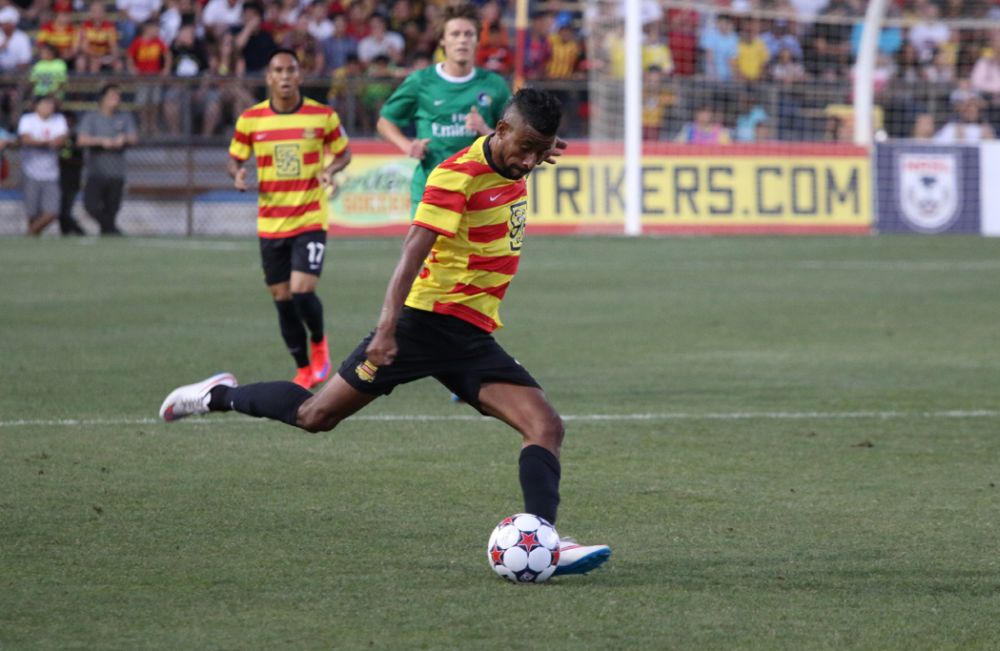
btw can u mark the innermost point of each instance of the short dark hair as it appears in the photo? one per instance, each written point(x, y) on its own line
point(538, 108)
point(283, 50)
point(107, 88)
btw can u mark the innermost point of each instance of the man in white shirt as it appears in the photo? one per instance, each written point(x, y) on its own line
point(969, 127)
point(380, 41)
point(929, 34)
point(222, 15)
point(15, 45)
point(41, 134)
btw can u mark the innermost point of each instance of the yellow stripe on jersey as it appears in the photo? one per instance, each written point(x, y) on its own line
point(289, 150)
point(480, 217)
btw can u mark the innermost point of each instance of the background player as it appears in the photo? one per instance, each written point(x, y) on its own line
point(449, 104)
point(439, 311)
point(288, 135)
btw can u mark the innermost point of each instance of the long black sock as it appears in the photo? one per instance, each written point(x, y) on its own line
point(292, 331)
point(539, 474)
point(311, 311)
point(274, 400)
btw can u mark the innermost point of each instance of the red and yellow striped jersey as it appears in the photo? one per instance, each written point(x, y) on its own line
point(289, 150)
point(480, 217)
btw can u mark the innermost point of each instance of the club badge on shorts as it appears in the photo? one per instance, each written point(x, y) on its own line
point(366, 371)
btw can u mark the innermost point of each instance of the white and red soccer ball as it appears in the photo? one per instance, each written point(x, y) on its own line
point(524, 548)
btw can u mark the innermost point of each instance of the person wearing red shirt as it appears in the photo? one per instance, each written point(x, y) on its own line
point(148, 56)
point(682, 38)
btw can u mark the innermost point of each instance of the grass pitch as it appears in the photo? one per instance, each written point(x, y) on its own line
point(789, 444)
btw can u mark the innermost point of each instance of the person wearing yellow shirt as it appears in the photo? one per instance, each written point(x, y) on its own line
point(752, 54)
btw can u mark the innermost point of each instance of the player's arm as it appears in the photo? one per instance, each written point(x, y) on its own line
point(237, 173)
point(415, 148)
point(416, 247)
point(239, 153)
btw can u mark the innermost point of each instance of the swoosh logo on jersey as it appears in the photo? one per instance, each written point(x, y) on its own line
point(438, 102)
point(259, 136)
point(494, 197)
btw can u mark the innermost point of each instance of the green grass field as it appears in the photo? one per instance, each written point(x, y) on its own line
point(789, 444)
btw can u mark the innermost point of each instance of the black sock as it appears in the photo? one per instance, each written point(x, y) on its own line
point(539, 474)
point(311, 311)
point(292, 331)
point(274, 400)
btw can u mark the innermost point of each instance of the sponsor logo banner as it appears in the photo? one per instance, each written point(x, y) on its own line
point(927, 189)
point(685, 189)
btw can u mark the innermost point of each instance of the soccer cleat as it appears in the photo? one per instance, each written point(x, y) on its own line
point(320, 361)
point(305, 378)
point(192, 399)
point(580, 559)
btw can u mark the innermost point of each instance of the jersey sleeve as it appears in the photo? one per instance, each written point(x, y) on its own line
point(239, 147)
point(335, 137)
point(444, 201)
point(402, 104)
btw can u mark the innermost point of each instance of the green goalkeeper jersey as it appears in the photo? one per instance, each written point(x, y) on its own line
point(436, 104)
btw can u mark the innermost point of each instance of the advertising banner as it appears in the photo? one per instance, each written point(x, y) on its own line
point(989, 174)
point(925, 188)
point(793, 189)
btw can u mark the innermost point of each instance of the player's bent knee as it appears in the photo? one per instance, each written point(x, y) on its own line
point(316, 419)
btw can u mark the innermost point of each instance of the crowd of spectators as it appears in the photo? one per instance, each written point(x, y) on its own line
point(356, 51)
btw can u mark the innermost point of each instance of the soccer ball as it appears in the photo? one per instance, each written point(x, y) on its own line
point(524, 548)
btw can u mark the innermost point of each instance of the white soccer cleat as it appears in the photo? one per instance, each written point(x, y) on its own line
point(192, 399)
point(575, 558)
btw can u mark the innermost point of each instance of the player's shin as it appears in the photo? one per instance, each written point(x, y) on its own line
point(274, 400)
point(293, 332)
point(539, 472)
point(310, 310)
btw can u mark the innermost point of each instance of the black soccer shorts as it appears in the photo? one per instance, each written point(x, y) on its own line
point(455, 353)
point(281, 256)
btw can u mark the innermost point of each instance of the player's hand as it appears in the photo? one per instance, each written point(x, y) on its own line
point(240, 180)
point(382, 348)
point(418, 148)
point(475, 122)
point(327, 180)
point(557, 150)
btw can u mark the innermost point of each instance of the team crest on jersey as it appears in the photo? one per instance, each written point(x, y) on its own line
point(286, 161)
point(366, 371)
point(484, 100)
point(518, 218)
point(929, 190)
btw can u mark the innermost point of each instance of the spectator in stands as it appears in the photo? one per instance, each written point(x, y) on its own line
point(537, 49)
point(985, 77)
point(98, 44)
point(752, 54)
point(222, 15)
point(340, 83)
point(306, 48)
point(682, 36)
point(923, 127)
point(70, 177)
point(380, 42)
point(176, 14)
point(338, 46)
point(827, 50)
point(930, 34)
point(940, 69)
point(751, 115)
point(255, 45)
point(890, 39)
point(705, 129)
point(781, 36)
point(104, 134)
point(655, 52)
point(320, 25)
point(908, 66)
point(41, 134)
point(61, 34)
point(136, 12)
point(15, 58)
point(564, 53)
point(494, 53)
point(380, 81)
point(968, 126)
point(190, 60)
point(149, 57)
point(357, 19)
point(786, 69)
point(721, 46)
point(657, 99)
point(224, 60)
point(49, 74)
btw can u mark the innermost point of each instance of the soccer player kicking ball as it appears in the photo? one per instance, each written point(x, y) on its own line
point(440, 308)
point(289, 135)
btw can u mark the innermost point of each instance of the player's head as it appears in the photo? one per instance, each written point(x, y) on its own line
point(526, 132)
point(460, 33)
point(283, 74)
